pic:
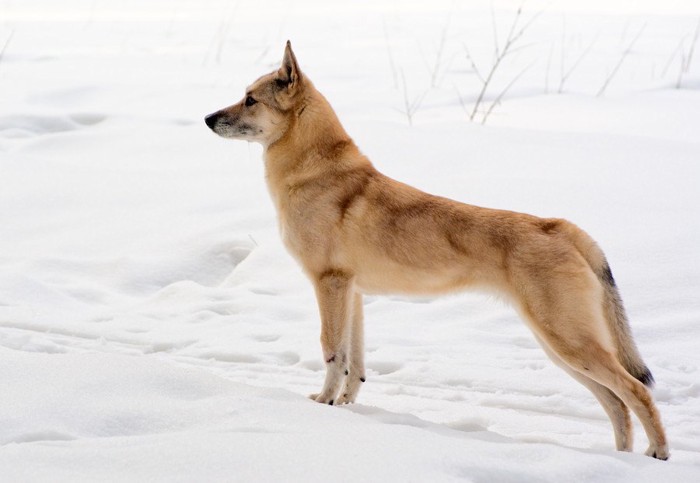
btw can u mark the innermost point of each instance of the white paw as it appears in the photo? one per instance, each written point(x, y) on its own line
point(346, 398)
point(349, 392)
point(658, 452)
point(320, 398)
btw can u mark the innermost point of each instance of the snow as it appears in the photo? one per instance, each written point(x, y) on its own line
point(152, 327)
point(106, 416)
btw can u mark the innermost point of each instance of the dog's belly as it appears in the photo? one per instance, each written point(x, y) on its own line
point(415, 263)
point(392, 278)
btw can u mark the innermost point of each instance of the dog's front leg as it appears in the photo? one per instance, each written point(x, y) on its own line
point(334, 295)
point(356, 375)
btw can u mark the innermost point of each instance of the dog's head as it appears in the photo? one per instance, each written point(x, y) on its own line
point(264, 113)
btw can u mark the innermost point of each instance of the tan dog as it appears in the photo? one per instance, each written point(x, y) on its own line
point(355, 231)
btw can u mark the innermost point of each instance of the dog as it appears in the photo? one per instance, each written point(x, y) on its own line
point(355, 231)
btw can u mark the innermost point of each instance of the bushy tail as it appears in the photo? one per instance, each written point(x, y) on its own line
point(612, 305)
point(617, 319)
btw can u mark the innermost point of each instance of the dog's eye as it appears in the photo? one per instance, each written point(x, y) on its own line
point(249, 101)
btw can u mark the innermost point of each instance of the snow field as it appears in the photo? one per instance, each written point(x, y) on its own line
point(153, 328)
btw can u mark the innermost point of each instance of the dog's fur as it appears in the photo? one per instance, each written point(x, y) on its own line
point(356, 231)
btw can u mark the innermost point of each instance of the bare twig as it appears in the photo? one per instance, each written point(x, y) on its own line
point(517, 49)
point(692, 47)
point(526, 26)
point(564, 78)
point(216, 39)
point(5, 45)
point(513, 36)
point(549, 64)
point(225, 26)
point(624, 55)
point(264, 52)
point(410, 107)
point(494, 27)
point(392, 64)
point(461, 99)
point(441, 49)
point(686, 59)
point(623, 36)
point(562, 61)
point(496, 62)
point(498, 98)
point(219, 40)
point(679, 48)
point(474, 67)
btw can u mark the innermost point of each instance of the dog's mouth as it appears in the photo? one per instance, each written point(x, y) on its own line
point(222, 125)
point(226, 127)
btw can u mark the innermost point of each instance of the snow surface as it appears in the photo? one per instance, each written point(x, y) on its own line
point(153, 328)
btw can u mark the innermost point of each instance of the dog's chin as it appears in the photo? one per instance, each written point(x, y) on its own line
point(228, 133)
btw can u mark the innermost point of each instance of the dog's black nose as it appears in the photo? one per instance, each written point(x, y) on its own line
point(211, 120)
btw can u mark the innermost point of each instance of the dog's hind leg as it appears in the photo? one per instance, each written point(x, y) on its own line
point(334, 295)
point(563, 301)
point(614, 407)
point(610, 373)
point(567, 316)
point(356, 373)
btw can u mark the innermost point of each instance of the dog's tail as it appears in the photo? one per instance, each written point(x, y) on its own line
point(614, 310)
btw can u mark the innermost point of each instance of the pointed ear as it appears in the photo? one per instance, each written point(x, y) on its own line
point(289, 72)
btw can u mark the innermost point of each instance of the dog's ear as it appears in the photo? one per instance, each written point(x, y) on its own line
point(289, 75)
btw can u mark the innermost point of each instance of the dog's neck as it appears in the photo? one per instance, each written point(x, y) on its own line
point(314, 137)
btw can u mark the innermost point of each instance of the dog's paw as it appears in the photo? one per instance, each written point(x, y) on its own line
point(349, 392)
point(658, 452)
point(346, 398)
point(320, 398)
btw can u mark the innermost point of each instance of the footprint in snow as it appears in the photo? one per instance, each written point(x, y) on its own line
point(37, 436)
point(266, 337)
point(384, 368)
point(287, 358)
point(28, 125)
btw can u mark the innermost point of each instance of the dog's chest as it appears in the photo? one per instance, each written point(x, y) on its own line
point(304, 226)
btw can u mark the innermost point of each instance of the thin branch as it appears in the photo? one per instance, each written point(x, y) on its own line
point(515, 50)
point(441, 49)
point(515, 32)
point(448, 66)
point(619, 63)
point(514, 37)
point(498, 98)
point(562, 61)
point(392, 64)
point(216, 46)
point(7, 43)
point(497, 61)
point(623, 36)
point(549, 63)
point(474, 67)
point(461, 99)
point(692, 47)
point(264, 52)
point(687, 59)
point(510, 39)
point(565, 77)
point(410, 107)
point(423, 57)
point(679, 48)
point(526, 26)
point(496, 49)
